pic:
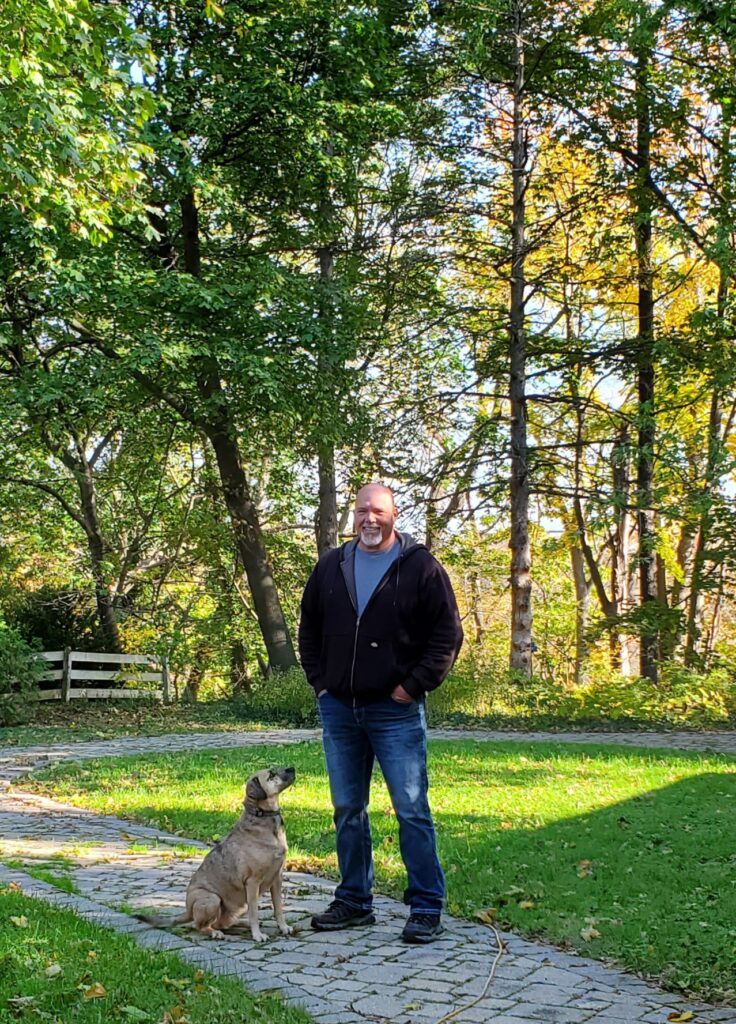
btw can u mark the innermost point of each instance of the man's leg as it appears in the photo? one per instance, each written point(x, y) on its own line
point(349, 758)
point(398, 734)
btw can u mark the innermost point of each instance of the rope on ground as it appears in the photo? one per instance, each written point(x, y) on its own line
point(499, 953)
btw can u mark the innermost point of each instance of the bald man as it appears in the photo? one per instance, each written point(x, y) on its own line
point(379, 629)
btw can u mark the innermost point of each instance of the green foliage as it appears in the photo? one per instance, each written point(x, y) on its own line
point(283, 698)
point(19, 674)
point(52, 618)
point(682, 699)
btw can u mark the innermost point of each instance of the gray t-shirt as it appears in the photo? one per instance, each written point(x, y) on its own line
point(370, 567)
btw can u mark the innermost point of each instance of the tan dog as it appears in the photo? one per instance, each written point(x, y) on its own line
point(247, 862)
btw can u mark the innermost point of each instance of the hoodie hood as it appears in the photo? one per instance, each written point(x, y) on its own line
point(407, 546)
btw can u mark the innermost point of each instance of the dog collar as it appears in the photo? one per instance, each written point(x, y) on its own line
point(258, 812)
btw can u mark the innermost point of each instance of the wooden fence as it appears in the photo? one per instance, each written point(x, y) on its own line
point(70, 668)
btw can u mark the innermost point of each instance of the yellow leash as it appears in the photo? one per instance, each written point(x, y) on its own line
point(494, 965)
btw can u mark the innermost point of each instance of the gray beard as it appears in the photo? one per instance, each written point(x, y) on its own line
point(371, 540)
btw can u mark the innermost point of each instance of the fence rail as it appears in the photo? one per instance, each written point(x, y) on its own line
point(69, 667)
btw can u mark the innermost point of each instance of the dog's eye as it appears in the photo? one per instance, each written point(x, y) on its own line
point(272, 773)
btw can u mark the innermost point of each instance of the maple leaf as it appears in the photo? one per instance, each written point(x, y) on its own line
point(94, 991)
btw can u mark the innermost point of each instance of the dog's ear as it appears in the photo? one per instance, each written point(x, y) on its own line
point(255, 790)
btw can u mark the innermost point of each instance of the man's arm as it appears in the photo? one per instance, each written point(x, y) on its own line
point(310, 632)
point(439, 607)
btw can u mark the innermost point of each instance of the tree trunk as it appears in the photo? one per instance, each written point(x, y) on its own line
point(251, 549)
point(327, 531)
point(582, 601)
point(648, 591)
point(217, 424)
point(521, 562)
point(717, 433)
point(80, 468)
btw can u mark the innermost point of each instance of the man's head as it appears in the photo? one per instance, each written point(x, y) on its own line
point(375, 515)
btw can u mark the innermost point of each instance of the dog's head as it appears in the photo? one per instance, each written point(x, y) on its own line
point(263, 787)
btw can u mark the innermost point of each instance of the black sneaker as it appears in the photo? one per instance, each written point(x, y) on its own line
point(421, 928)
point(341, 915)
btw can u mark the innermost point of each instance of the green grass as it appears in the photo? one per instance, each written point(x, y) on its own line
point(58, 968)
point(637, 845)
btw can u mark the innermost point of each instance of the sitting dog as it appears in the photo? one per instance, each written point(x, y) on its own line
point(247, 862)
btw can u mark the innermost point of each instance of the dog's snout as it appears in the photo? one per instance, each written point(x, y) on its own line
point(291, 772)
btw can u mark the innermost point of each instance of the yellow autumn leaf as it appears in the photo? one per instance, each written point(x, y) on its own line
point(19, 922)
point(527, 905)
point(487, 916)
point(680, 1018)
point(585, 868)
point(589, 932)
point(94, 991)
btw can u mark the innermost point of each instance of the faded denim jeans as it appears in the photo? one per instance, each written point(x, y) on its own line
point(395, 735)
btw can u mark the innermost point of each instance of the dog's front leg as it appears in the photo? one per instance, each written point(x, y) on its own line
point(278, 907)
point(252, 890)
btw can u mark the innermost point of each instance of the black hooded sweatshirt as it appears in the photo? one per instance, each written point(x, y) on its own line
point(409, 632)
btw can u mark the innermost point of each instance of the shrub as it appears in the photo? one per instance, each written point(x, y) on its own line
point(282, 698)
point(682, 699)
point(19, 674)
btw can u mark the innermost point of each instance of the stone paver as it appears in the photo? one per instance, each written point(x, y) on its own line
point(342, 978)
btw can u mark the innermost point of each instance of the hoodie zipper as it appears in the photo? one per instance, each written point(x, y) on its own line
point(377, 591)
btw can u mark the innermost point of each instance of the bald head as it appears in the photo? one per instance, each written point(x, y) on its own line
point(375, 515)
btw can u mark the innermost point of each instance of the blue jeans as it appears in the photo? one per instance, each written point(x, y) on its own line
point(395, 735)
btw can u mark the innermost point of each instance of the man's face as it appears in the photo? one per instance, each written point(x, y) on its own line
point(375, 515)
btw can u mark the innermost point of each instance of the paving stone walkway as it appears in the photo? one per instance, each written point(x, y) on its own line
point(17, 761)
point(341, 978)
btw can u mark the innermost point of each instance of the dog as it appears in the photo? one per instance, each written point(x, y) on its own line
point(247, 862)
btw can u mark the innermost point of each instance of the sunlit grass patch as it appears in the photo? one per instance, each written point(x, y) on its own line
point(56, 967)
point(620, 853)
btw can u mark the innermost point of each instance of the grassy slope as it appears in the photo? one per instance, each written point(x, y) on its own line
point(638, 845)
point(54, 963)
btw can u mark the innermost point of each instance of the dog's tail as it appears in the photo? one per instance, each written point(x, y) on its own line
point(162, 921)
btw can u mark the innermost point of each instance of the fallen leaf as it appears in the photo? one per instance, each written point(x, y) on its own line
point(506, 824)
point(14, 887)
point(585, 868)
point(487, 916)
point(134, 1013)
point(94, 991)
point(589, 932)
point(527, 905)
point(412, 1006)
point(677, 1018)
point(92, 954)
point(19, 922)
point(53, 971)
point(176, 983)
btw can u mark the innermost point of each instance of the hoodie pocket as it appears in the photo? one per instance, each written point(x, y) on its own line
point(335, 660)
point(375, 665)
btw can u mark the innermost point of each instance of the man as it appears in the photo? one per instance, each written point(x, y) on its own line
point(379, 629)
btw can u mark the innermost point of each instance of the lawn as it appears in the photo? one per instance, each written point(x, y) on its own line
point(56, 967)
point(622, 854)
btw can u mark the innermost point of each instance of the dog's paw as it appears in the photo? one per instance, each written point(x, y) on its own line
point(215, 934)
point(286, 929)
point(259, 937)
